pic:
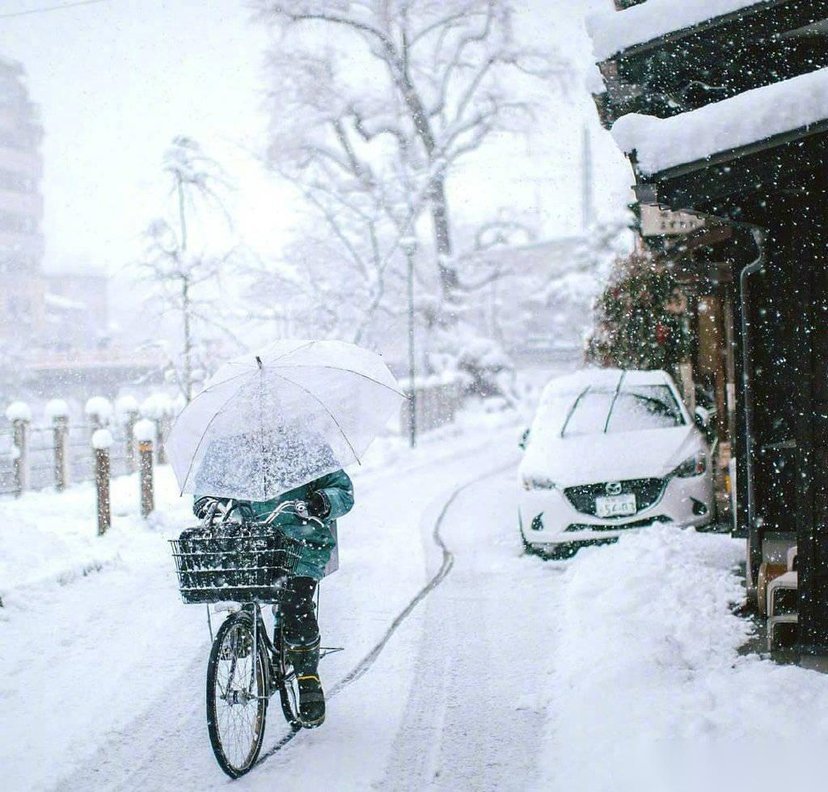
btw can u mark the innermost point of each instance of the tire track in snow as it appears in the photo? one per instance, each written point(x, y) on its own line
point(445, 568)
point(474, 709)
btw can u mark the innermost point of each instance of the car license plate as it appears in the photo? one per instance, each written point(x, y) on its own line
point(615, 506)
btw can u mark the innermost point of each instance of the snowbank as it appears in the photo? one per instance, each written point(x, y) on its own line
point(662, 143)
point(614, 31)
point(650, 692)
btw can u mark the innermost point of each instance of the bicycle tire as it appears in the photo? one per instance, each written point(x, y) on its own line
point(237, 695)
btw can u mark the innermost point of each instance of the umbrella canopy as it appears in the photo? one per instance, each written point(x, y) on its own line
point(269, 422)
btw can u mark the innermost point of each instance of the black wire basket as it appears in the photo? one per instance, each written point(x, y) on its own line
point(233, 562)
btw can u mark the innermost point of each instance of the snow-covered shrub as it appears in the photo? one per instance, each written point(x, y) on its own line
point(481, 363)
point(641, 319)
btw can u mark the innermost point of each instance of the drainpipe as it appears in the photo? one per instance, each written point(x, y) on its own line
point(747, 373)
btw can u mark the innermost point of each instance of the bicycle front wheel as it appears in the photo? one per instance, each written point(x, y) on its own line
point(237, 696)
point(287, 683)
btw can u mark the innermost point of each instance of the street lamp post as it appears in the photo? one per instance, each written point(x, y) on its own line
point(409, 246)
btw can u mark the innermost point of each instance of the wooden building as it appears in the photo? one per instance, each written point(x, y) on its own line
point(727, 118)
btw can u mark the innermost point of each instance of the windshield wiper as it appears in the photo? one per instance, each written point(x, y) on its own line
point(614, 399)
point(572, 409)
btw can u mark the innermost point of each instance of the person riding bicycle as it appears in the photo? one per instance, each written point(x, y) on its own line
point(320, 503)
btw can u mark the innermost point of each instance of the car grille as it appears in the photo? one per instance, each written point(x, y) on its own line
point(647, 491)
point(578, 527)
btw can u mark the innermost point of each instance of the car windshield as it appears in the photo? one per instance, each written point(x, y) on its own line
point(634, 408)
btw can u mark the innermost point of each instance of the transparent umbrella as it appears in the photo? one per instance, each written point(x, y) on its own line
point(270, 421)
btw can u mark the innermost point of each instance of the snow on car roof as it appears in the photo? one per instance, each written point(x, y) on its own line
point(600, 378)
point(546, 458)
point(759, 114)
point(559, 394)
point(614, 31)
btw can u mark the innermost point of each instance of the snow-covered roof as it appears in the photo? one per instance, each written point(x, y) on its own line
point(752, 116)
point(615, 31)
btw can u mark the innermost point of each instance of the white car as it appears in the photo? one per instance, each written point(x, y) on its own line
point(608, 451)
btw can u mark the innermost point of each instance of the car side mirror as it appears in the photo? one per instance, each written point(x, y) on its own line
point(524, 440)
point(702, 417)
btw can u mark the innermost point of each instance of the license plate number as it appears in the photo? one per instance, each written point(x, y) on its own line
point(615, 506)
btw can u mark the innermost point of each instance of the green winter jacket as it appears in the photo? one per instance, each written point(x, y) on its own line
point(318, 540)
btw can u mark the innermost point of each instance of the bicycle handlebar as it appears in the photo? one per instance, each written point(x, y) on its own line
point(299, 508)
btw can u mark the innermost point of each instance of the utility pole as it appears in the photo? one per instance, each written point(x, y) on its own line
point(409, 246)
point(586, 195)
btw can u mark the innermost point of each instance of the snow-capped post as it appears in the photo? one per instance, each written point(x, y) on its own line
point(99, 412)
point(57, 413)
point(144, 434)
point(158, 408)
point(101, 443)
point(126, 408)
point(20, 415)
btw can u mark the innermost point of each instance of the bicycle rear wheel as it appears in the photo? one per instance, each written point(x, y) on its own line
point(237, 695)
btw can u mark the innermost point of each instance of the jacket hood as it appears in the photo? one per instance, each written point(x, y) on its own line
point(592, 458)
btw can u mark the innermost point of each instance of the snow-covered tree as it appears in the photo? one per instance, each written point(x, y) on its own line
point(375, 103)
point(188, 280)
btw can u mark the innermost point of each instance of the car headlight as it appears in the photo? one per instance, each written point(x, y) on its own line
point(692, 466)
point(533, 483)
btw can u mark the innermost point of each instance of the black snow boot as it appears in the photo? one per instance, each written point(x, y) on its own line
point(305, 660)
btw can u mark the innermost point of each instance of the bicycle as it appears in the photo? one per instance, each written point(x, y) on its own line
point(239, 565)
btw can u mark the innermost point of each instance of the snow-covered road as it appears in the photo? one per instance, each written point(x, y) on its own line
point(127, 675)
point(474, 707)
point(619, 670)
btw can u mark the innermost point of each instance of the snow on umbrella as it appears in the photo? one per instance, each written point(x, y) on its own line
point(268, 422)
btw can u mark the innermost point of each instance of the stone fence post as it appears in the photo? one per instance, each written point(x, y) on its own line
point(57, 413)
point(144, 434)
point(126, 408)
point(20, 415)
point(159, 409)
point(101, 443)
point(99, 412)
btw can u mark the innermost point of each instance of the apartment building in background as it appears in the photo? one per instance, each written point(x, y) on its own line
point(22, 308)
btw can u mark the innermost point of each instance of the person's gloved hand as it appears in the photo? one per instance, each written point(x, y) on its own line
point(319, 505)
point(201, 508)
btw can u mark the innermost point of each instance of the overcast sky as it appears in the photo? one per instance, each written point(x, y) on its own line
point(116, 80)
